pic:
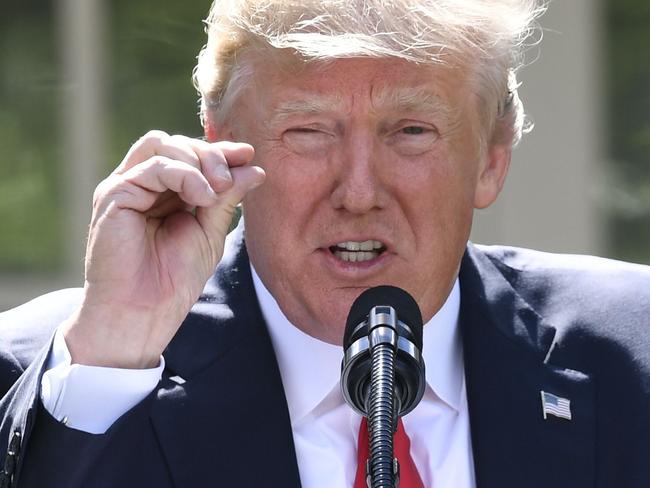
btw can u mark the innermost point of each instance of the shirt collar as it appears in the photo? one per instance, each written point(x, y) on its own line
point(443, 353)
point(311, 369)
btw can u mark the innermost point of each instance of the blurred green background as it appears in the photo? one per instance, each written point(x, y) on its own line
point(628, 128)
point(150, 49)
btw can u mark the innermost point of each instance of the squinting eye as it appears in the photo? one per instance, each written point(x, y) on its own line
point(413, 130)
point(412, 140)
point(307, 141)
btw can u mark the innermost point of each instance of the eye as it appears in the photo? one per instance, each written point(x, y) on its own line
point(310, 141)
point(412, 139)
point(413, 130)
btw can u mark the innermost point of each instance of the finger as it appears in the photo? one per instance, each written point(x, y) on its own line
point(141, 187)
point(234, 153)
point(237, 153)
point(212, 159)
point(148, 146)
point(218, 158)
point(167, 204)
point(215, 220)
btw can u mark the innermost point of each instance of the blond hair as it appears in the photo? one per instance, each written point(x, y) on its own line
point(488, 35)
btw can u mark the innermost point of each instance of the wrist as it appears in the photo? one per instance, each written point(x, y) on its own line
point(112, 338)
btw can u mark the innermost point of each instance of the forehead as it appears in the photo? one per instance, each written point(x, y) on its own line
point(375, 84)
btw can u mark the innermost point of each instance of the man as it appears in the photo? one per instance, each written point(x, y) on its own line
point(377, 128)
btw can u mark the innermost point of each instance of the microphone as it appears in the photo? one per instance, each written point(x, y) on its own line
point(382, 373)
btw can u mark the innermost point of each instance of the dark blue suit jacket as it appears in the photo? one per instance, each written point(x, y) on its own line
point(575, 327)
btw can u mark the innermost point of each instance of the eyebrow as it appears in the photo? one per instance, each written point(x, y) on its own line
point(417, 100)
point(404, 99)
point(311, 106)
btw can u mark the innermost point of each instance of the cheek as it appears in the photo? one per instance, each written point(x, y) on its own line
point(437, 199)
point(283, 167)
point(293, 185)
point(434, 182)
point(283, 207)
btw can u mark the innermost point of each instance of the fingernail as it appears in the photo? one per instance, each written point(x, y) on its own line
point(222, 172)
point(212, 194)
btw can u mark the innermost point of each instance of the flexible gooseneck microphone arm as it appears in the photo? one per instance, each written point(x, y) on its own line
point(383, 371)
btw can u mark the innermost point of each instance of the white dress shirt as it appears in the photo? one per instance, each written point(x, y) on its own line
point(325, 429)
point(92, 398)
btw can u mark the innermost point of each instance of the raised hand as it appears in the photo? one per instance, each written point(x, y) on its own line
point(157, 232)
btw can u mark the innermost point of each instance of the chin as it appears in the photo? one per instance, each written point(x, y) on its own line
point(326, 327)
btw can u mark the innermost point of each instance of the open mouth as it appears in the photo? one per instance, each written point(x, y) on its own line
point(356, 252)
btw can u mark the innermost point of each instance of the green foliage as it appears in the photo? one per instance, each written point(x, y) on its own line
point(629, 128)
point(30, 201)
point(154, 46)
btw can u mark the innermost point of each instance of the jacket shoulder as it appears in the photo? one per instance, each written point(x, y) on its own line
point(587, 279)
point(522, 258)
point(587, 299)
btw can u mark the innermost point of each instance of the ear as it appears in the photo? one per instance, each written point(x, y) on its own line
point(492, 176)
point(210, 129)
point(214, 132)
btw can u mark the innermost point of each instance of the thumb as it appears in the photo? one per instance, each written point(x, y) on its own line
point(215, 220)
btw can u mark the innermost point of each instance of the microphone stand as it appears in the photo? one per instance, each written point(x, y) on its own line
point(382, 468)
point(382, 372)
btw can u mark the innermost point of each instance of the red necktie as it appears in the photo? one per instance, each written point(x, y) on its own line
point(408, 473)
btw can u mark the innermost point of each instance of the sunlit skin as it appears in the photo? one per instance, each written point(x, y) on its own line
point(355, 150)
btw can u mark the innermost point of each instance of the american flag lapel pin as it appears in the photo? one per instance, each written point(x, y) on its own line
point(556, 406)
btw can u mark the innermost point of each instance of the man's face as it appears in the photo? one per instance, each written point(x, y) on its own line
point(373, 170)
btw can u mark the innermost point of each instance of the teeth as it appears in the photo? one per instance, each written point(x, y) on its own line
point(356, 257)
point(355, 252)
point(366, 246)
point(360, 246)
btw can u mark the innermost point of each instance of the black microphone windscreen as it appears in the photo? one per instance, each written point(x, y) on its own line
point(404, 304)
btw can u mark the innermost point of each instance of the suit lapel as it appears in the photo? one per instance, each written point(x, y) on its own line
point(508, 362)
point(221, 412)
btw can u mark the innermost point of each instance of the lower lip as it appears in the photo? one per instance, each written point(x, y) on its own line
point(355, 269)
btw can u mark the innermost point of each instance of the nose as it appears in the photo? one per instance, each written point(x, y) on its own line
point(358, 187)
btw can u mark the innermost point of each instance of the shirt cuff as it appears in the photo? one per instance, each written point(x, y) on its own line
point(92, 398)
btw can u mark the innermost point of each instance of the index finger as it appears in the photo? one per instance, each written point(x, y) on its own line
point(217, 158)
point(212, 159)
